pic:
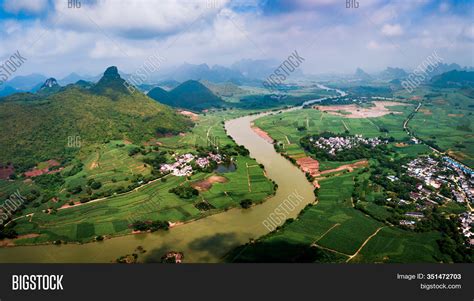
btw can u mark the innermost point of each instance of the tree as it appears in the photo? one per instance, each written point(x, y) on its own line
point(185, 191)
point(246, 203)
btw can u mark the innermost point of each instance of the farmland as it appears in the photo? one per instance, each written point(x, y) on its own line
point(353, 220)
point(69, 218)
point(333, 229)
point(288, 128)
point(445, 121)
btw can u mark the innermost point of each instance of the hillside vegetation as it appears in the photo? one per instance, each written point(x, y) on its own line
point(453, 78)
point(189, 95)
point(37, 128)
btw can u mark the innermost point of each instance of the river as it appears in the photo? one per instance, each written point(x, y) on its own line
point(204, 240)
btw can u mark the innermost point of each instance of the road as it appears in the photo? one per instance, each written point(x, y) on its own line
point(405, 127)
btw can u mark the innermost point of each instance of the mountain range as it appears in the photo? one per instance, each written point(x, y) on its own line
point(453, 79)
point(36, 127)
point(395, 74)
point(191, 95)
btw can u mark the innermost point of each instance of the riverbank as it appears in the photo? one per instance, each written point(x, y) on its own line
point(204, 240)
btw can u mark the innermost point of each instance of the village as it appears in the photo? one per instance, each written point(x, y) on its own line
point(336, 144)
point(444, 180)
point(436, 173)
point(182, 167)
point(467, 222)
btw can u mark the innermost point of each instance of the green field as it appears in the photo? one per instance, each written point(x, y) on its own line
point(111, 165)
point(446, 120)
point(283, 128)
point(336, 230)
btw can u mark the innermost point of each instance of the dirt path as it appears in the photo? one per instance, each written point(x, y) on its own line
point(248, 178)
point(331, 250)
point(208, 132)
point(324, 234)
point(378, 128)
point(66, 206)
point(364, 243)
point(345, 125)
point(95, 163)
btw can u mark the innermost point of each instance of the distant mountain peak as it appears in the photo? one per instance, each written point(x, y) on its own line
point(111, 82)
point(191, 95)
point(50, 83)
point(361, 74)
point(391, 73)
point(50, 86)
point(70, 79)
point(112, 72)
point(84, 84)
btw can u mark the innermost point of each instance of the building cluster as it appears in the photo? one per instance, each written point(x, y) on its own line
point(182, 166)
point(467, 222)
point(436, 173)
point(464, 180)
point(336, 144)
point(427, 170)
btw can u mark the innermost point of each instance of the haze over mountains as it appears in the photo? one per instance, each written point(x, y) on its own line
point(242, 72)
point(453, 79)
point(395, 73)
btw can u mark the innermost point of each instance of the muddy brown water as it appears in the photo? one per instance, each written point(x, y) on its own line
point(204, 240)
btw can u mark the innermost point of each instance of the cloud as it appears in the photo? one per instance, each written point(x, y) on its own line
point(468, 32)
point(140, 19)
point(392, 30)
point(329, 36)
point(28, 6)
point(373, 45)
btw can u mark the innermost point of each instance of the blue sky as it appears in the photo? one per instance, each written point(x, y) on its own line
point(58, 40)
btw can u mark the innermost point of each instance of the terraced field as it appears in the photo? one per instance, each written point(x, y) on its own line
point(111, 165)
point(333, 229)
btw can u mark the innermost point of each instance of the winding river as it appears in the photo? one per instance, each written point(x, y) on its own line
point(204, 240)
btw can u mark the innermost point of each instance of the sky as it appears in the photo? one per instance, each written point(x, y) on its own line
point(57, 39)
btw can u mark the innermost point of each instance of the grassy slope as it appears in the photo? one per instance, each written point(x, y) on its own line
point(189, 95)
point(112, 216)
point(35, 131)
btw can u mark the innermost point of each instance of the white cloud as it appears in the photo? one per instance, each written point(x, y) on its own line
point(28, 6)
point(468, 32)
point(392, 30)
point(373, 45)
point(140, 19)
point(384, 14)
point(194, 31)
